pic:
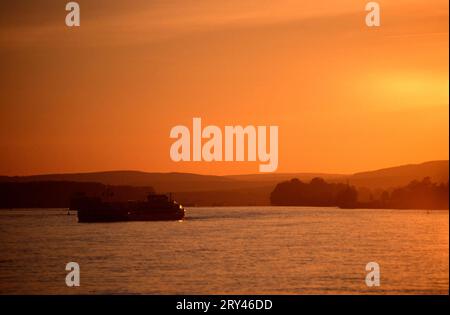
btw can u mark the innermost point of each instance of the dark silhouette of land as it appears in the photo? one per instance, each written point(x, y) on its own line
point(316, 193)
point(58, 194)
point(207, 190)
point(186, 182)
point(388, 178)
point(416, 195)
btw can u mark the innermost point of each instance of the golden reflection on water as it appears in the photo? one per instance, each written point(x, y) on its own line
point(247, 250)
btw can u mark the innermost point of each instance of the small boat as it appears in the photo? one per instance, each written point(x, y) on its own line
point(155, 208)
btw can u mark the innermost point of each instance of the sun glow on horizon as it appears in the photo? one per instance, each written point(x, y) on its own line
point(106, 95)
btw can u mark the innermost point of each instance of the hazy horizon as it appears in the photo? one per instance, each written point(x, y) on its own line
point(223, 175)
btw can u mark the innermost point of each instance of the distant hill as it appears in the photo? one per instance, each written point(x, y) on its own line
point(250, 189)
point(169, 182)
point(401, 175)
point(162, 182)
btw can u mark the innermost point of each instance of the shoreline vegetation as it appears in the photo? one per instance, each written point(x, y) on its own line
point(422, 186)
point(417, 195)
point(58, 194)
point(317, 193)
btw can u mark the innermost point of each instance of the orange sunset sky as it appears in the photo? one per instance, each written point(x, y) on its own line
point(104, 96)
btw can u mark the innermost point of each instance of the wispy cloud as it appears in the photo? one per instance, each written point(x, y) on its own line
point(120, 23)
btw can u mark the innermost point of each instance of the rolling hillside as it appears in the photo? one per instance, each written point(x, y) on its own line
point(251, 189)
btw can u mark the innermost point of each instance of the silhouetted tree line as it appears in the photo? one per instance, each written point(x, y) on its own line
point(315, 193)
point(57, 194)
point(416, 195)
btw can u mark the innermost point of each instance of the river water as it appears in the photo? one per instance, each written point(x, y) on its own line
point(230, 250)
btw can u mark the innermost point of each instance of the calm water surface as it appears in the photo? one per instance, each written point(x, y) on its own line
point(247, 250)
